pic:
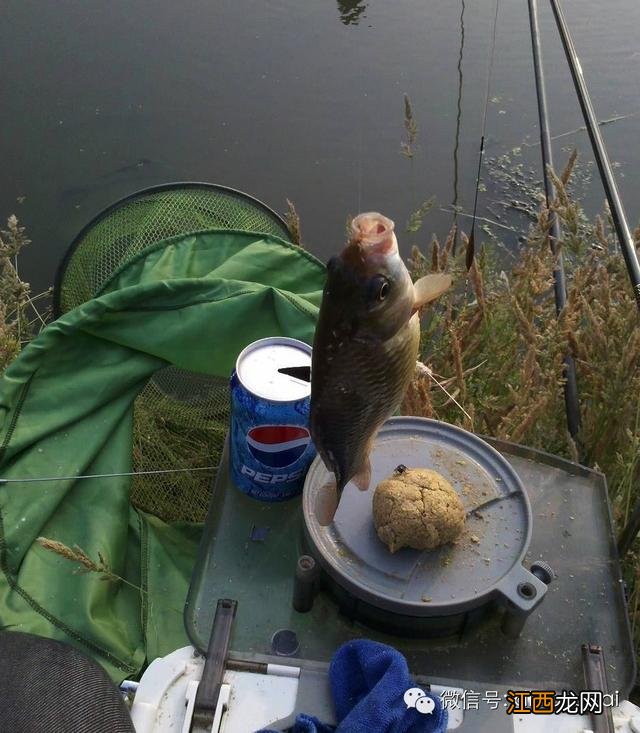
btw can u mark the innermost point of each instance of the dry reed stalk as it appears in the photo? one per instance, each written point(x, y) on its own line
point(530, 369)
point(417, 400)
point(87, 565)
point(425, 371)
point(435, 255)
point(78, 555)
point(630, 353)
point(533, 414)
point(293, 223)
point(417, 262)
point(574, 453)
point(411, 128)
point(457, 363)
point(468, 331)
point(469, 423)
point(527, 328)
point(575, 348)
point(478, 286)
point(601, 236)
point(595, 323)
point(569, 167)
point(448, 247)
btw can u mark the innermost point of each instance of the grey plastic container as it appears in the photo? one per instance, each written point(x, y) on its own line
point(431, 591)
point(249, 551)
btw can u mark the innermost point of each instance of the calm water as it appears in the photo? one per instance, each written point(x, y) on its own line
point(291, 99)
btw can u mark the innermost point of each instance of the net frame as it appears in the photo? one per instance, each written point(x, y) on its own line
point(276, 224)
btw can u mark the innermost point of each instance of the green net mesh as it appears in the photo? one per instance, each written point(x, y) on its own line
point(180, 422)
point(180, 418)
point(147, 218)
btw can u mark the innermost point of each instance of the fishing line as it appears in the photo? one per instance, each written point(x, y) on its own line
point(362, 86)
point(471, 244)
point(103, 475)
point(456, 146)
point(359, 209)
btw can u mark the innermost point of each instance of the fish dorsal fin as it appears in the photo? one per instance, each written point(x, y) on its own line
point(430, 287)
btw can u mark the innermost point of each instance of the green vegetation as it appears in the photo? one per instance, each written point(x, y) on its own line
point(407, 147)
point(20, 318)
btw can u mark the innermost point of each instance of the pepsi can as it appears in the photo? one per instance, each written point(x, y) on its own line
point(270, 443)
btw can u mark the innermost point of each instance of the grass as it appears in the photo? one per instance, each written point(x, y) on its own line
point(21, 317)
point(407, 146)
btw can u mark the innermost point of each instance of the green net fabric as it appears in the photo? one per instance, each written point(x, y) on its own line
point(180, 418)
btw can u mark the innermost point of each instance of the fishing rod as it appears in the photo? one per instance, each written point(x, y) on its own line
point(616, 208)
point(472, 237)
point(571, 399)
point(618, 216)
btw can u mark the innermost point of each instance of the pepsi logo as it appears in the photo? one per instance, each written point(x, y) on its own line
point(278, 446)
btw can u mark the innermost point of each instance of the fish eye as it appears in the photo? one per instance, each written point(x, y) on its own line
point(379, 288)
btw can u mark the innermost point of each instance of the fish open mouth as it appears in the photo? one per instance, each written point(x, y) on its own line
point(375, 231)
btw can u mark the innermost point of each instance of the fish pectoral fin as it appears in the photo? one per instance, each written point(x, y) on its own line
point(362, 479)
point(430, 287)
point(327, 503)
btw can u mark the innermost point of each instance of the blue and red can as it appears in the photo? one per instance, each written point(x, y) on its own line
point(271, 448)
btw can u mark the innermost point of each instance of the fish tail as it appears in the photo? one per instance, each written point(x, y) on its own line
point(327, 500)
point(362, 479)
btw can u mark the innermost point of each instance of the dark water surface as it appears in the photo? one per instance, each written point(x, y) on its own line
point(292, 99)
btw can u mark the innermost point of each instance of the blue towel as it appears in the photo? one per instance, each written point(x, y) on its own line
point(369, 682)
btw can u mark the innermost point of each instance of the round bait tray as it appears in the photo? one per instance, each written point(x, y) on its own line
point(482, 566)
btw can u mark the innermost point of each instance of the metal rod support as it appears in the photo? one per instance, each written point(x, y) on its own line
point(571, 399)
point(305, 583)
point(618, 216)
point(600, 152)
point(213, 672)
point(595, 677)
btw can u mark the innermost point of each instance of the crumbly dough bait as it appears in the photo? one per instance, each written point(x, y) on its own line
point(417, 508)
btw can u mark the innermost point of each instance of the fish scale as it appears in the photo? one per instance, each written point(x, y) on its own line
point(365, 349)
point(383, 373)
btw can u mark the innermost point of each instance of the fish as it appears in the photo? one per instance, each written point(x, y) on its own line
point(364, 351)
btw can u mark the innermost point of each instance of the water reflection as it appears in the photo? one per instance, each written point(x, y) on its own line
point(351, 10)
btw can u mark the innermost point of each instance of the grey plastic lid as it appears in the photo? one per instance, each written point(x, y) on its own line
point(485, 563)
